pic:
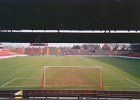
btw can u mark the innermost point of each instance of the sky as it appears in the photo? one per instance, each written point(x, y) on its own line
point(63, 44)
point(49, 44)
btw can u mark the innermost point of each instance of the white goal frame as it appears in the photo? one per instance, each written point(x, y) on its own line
point(101, 73)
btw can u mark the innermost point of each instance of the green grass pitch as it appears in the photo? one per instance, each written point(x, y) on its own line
point(27, 72)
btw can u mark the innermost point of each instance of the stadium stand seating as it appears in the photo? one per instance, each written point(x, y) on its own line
point(135, 54)
point(7, 53)
point(106, 50)
point(71, 51)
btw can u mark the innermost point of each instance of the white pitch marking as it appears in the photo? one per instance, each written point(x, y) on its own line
point(98, 67)
point(28, 78)
point(120, 86)
point(23, 86)
point(72, 66)
point(133, 82)
point(8, 82)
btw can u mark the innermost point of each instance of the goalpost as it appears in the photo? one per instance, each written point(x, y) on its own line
point(43, 83)
point(101, 78)
point(98, 79)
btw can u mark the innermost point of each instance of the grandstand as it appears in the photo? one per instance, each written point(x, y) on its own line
point(5, 52)
point(104, 50)
point(90, 50)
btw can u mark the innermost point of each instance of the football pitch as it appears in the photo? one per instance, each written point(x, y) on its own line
point(70, 72)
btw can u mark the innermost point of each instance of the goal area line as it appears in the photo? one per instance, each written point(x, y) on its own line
point(72, 67)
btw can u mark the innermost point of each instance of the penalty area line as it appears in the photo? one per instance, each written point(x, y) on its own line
point(8, 82)
point(133, 82)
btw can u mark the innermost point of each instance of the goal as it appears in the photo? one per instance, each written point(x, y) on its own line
point(73, 77)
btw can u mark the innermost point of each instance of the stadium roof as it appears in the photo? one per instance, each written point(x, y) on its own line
point(107, 16)
point(41, 37)
point(70, 14)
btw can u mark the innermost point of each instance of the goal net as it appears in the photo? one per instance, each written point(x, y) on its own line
point(72, 77)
